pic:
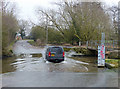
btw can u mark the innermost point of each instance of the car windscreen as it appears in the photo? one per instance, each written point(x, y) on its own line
point(57, 50)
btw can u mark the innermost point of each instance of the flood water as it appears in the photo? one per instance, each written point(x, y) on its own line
point(24, 70)
point(29, 63)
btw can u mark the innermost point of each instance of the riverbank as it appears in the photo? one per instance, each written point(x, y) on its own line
point(114, 54)
point(33, 43)
point(8, 51)
point(85, 51)
point(112, 63)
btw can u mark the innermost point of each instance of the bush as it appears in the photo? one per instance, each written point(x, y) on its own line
point(9, 28)
point(84, 51)
point(38, 33)
point(67, 49)
point(114, 55)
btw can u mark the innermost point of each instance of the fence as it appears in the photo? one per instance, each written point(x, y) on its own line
point(109, 44)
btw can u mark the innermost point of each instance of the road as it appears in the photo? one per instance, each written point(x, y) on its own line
point(28, 71)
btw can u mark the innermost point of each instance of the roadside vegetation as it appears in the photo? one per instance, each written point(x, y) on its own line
point(113, 63)
point(31, 42)
point(114, 55)
point(0, 34)
point(9, 27)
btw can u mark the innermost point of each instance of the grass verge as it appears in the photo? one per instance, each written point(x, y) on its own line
point(32, 42)
point(114, 63)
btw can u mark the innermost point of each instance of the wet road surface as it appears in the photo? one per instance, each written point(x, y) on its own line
point(53, 79)
point(28, 71)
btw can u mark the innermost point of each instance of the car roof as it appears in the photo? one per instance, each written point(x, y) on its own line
point(49, 47)
point(55, 46)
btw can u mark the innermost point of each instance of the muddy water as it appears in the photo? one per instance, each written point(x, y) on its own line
point(29, 63)
point(6, 65)
point(37, 72)
point(92, 63)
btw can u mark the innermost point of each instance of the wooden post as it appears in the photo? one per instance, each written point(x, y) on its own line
point(79, 43)
point(87, 44)
point(95, 44)
point(117, 44)
point(91, 44)
point(113, 44)
point(106, 45)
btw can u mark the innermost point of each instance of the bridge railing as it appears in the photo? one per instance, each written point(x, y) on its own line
point(109, 44)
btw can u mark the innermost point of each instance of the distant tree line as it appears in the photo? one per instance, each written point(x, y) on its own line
point(39, 32)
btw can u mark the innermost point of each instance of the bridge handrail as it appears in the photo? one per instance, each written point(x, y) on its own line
point(109, 44)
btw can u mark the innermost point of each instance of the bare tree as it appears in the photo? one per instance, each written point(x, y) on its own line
point(114, 12)
point(85, 20)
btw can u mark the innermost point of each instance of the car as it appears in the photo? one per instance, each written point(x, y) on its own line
point(55, 54)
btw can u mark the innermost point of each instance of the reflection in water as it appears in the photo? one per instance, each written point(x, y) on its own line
point(66, 67)
point(6, 65)
point(92, 67)
point(39, 64)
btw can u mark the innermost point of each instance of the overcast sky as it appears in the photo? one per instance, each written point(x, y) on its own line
point(27, 7)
